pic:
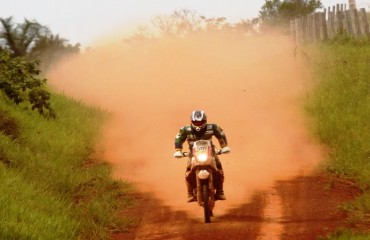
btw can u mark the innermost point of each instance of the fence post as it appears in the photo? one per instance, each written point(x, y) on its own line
point(309, 30)
point(365, 23)
point(352, 4)
point(330, 27)
point(315, 27)
point(304, 28)
point(349, 29)
point(298, 27)
point(335, 22)
point(340, 26)
point(356, 23)
point(323, 26)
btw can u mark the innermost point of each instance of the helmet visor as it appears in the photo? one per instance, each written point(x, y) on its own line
point(199, 123)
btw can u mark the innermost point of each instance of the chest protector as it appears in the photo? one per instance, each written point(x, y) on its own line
point(193, 136)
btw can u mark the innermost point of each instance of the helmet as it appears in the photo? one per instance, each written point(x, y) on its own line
point(198, 120)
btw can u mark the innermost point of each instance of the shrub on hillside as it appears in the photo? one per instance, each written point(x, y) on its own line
point(19, 81)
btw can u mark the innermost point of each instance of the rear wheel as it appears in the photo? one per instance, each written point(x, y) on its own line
point(205, 197)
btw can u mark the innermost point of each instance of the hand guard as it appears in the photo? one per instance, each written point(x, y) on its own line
point(178, 154)
point(225, 150)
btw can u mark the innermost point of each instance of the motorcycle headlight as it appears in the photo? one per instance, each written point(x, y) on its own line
point(203, 174)
point(202, 157)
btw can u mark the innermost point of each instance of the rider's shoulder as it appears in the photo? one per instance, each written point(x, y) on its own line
point(186, 128)
point(212, 126)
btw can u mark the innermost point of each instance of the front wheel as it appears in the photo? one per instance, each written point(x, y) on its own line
point(205, 196)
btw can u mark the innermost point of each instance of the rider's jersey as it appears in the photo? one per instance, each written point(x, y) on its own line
point(187, 133)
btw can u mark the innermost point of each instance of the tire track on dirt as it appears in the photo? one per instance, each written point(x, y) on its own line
point(272, 215)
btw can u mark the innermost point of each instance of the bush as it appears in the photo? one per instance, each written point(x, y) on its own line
point(18, 80)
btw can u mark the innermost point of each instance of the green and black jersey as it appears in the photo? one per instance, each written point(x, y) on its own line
point(187, 133)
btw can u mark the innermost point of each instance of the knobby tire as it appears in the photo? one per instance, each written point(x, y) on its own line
point(205, 196)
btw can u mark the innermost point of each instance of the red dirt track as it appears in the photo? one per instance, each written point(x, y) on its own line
point(254, 88)
point(308, 210)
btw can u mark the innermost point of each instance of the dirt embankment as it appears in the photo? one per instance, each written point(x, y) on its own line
point(253, 88)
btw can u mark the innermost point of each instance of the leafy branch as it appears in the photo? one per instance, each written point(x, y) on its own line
point(18, 80)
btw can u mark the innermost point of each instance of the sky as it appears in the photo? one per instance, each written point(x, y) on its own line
point(86, 21)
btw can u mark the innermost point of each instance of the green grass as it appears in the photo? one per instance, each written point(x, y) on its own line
point(340, 107)
point(345, 234)
point(54, 184)
point(30, 213)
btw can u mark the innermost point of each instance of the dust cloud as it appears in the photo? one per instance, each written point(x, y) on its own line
point(253, 87)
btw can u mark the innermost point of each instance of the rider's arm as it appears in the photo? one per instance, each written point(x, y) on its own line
point(220, 135)
point(180, 138)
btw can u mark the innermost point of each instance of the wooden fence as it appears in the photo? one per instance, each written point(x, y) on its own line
point(321, 26)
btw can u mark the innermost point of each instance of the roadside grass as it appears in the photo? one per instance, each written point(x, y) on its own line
point(345, 234)
point(54, 183)
point(340, 107)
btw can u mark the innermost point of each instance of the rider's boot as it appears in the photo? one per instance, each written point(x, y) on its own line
point(220, 195)
point(191, 197)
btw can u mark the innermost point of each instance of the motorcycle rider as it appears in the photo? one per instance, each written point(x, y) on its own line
point(199, 129)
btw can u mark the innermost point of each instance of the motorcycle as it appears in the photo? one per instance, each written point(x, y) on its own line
point(204, 170)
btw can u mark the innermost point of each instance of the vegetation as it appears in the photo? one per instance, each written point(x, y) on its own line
point(340, 106)
point(277, 12)
point(19, 38)
point(33, 41)
point(54, 184)
point(22, 48)
point(19, 81)
point(182, 23)
point(344, 234)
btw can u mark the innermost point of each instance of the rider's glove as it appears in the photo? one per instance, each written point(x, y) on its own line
point(178, 154)
point(225, 150)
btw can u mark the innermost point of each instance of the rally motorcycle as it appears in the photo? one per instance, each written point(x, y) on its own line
point(205, 172)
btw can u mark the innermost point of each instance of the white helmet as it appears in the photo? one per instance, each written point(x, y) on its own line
point(198, 120)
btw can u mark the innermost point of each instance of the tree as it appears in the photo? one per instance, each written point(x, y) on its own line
point(276, 12)
point(48, 49)
point(179, 23)
point(184, 22)
point(20, 38)
point(19, 82)
point(32, 40)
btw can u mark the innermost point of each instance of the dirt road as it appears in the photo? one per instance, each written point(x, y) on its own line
point(302, 208)
point(254, 88)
